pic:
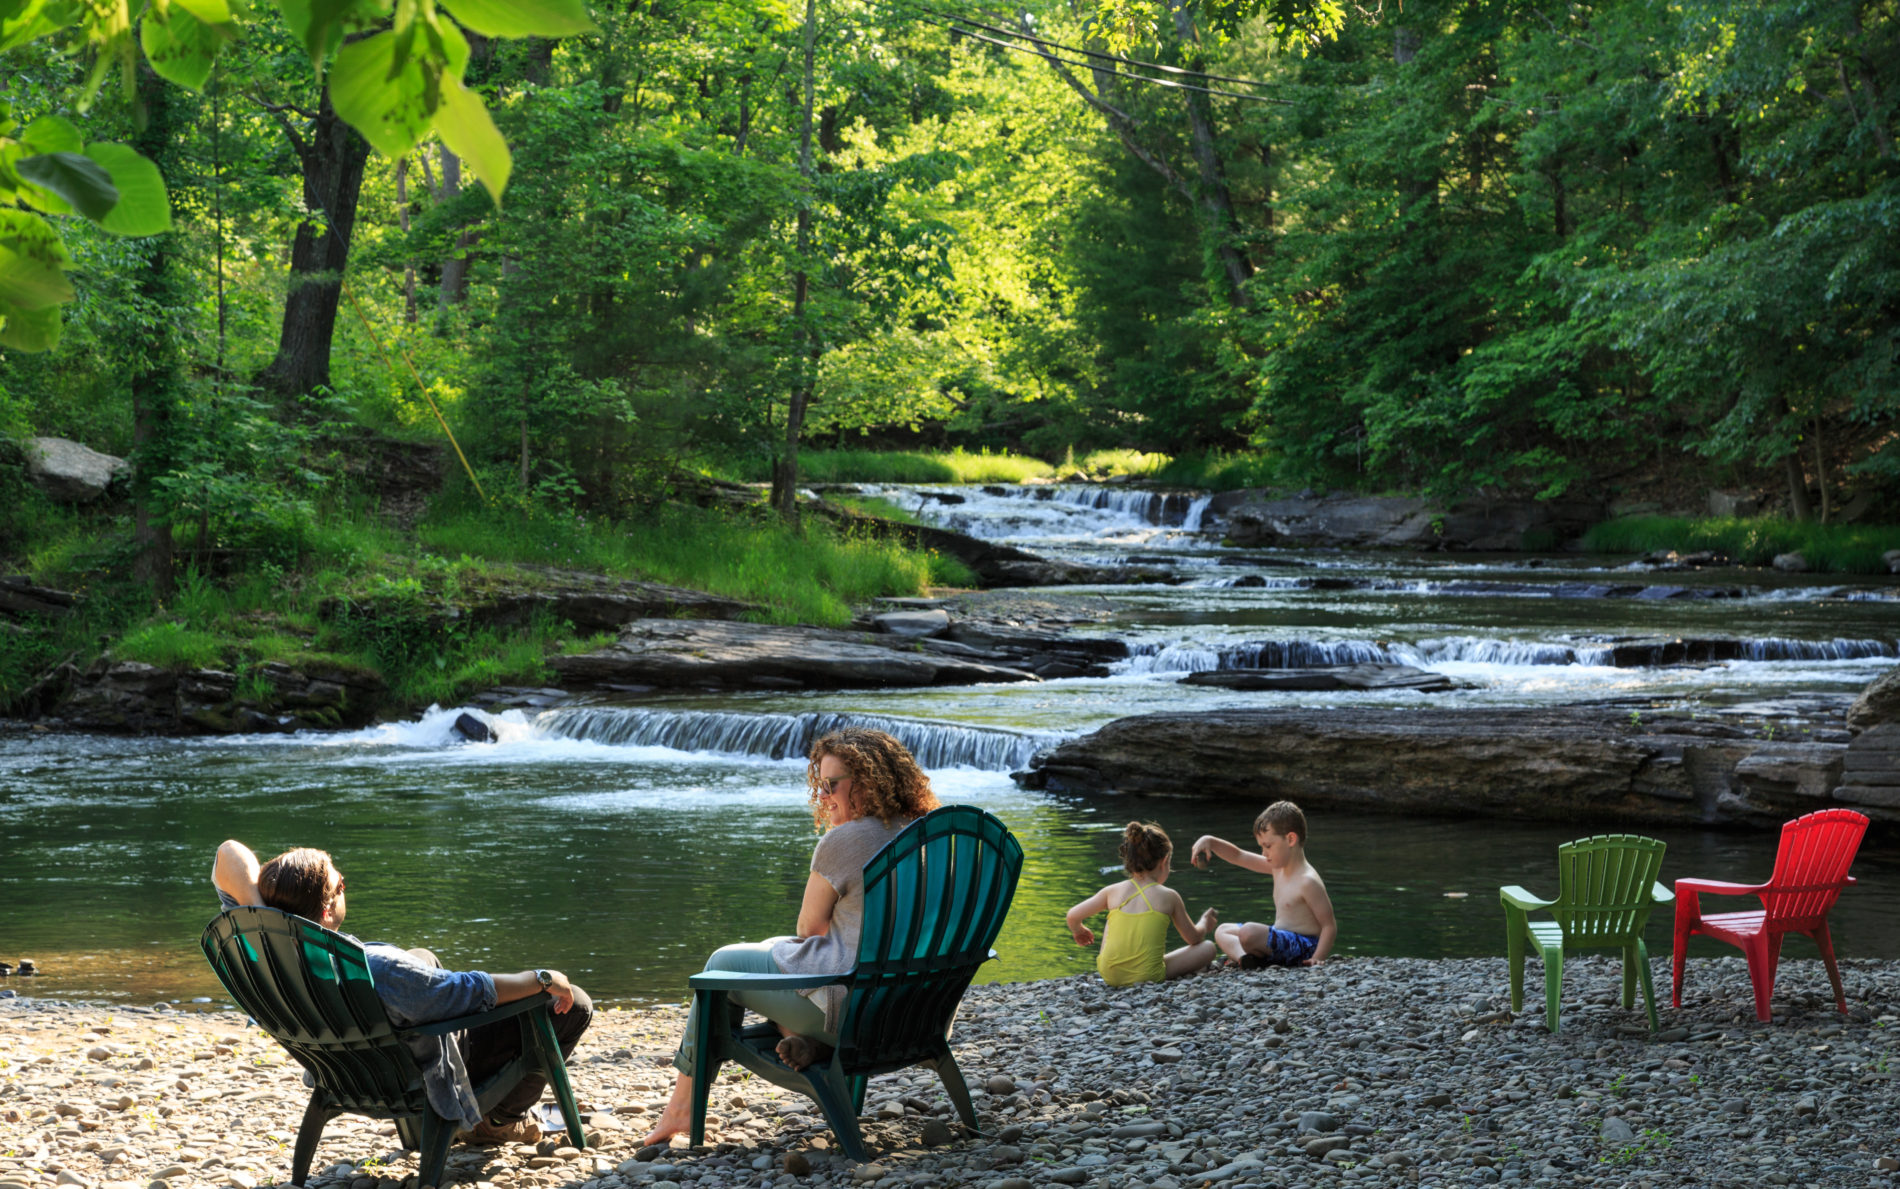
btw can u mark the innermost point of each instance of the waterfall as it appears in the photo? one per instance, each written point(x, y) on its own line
point(790, 736)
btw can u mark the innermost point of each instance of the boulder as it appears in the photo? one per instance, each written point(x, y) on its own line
point(69, 472)
point(1335, 677)
point(1556, 764)
point(135, 698)
point(1733, 504)
point(1791, 563)
point(1892, 558)
point(1407, 522)
point(676, 653)
point(920, 623)
point(1877, 704)
point(1870, 773)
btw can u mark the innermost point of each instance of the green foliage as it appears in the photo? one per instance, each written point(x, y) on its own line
point(171, 645)
point(1219, 471)
point(1829, 548)
point(873, 466)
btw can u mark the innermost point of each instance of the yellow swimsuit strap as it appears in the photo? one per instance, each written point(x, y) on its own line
point(1143, 893)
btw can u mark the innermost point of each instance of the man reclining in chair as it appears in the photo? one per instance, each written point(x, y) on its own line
point(416, 990)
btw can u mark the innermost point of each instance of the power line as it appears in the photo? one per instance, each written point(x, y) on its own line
point(1098, 54)
point(1139, 78)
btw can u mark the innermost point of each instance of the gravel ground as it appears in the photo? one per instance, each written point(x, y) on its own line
point(1382, 1071)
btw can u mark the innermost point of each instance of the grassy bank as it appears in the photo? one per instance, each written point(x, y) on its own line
point(351, 592)
point(1829, 548)
point(953, 466)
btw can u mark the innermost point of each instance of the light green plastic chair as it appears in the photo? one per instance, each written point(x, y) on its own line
point(1606, 889)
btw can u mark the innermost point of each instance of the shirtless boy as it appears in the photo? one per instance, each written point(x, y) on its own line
point(1303, 927)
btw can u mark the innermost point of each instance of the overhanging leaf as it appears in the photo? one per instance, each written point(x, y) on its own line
point(85, 186)
point(319, 23)
point(180, 47)
point(29, 330)
point(143, 208)
point(26, 20)
point(381, 86)
point(32, 263)
point(464, 125)
point(53, 134)
point(209, 12)
point(522, 18)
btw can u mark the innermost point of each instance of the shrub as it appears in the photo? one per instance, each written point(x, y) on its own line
point(1829, 548)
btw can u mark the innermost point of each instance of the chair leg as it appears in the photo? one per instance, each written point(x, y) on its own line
point(1684, 926)
point(858, 1087)
point(437, 1134)
point(1553, 986)
point(1649, 987)
point(957, 1089)
point(1629, 976)
point(1514, 949)
point(1825, 942)
point(1761, 974)
point(833, 1093)
point(314, 1117)
point(709, 1013)
point(548, 1048)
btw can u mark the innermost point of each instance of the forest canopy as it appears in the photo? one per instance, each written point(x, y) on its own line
point(1453, 246)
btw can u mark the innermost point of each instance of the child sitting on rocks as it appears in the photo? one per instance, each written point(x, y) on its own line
point(1303, 927)
point(1139, 909)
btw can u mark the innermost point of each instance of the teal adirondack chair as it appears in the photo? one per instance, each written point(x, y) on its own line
point(1606, 887)
point(934, 900)
point(310, 988)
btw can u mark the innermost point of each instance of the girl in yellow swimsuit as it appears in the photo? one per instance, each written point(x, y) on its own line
point(1139, 909)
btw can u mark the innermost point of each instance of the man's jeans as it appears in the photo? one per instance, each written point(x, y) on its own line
point(492, 1046)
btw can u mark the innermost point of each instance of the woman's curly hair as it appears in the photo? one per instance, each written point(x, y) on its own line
point(885, 780)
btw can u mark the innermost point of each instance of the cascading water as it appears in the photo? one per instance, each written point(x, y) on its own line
point(790, 736)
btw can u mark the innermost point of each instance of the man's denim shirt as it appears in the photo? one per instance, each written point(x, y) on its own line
point(414, 993)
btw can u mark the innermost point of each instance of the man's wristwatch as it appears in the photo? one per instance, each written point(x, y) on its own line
point(545, 978)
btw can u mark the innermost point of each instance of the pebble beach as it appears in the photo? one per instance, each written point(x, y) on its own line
point(1364, 1071)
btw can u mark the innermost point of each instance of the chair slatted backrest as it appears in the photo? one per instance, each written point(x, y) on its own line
point(1604, 887)
point(310, 988)
point(1811, 866)
point(934, 901)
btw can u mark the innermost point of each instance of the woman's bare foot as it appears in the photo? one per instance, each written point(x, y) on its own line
point(678, 1115)
point(799, 1051)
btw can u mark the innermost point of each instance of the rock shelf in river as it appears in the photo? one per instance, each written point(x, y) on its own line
point(1381, 1072)
point(1567, 763)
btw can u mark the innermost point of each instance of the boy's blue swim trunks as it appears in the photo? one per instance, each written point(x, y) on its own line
point(1284, 948)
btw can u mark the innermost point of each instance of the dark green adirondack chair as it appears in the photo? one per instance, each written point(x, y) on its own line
point(310, 988)
point(1606, 887)
point(934, 901)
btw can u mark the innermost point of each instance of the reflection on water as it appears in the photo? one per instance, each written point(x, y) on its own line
point(626, 869)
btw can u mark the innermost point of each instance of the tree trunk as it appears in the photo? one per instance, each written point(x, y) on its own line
point(1797, 486)
point(409, 266)
point(1820, 474)
point(332, 156)
point(454, 287)
point(805, 346)
point(157, 379)
point(1217, 204)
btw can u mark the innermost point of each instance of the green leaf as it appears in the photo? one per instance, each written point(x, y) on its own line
point(86, 187)
point(522, 18)
point(29, 330)
point(208, 12)
point(319, 23)
point(53, 134)
point(381, 85)
point(26, 20)
point(143, 207)
point(182, 48)
point(464, 125)
point(32, 263)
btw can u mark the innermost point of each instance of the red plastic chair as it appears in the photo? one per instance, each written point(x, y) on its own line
point(1810, 871)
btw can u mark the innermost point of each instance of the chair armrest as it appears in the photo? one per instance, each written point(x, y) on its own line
point(464, 1023)
point(1661, 894)
point(733, 980)
point(1516, 897)
point(1718, 887)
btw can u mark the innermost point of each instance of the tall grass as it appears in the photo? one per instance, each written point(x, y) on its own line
point(810, 576)
point(875, 466)
point(1219, 471)
point(1100, 463)
point(171, 645)
point(1829, 548)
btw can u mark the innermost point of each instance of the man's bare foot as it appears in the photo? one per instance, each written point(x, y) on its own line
point(799, 1051)
point(671, 1123)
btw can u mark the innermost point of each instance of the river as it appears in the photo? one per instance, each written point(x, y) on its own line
point(620, 841)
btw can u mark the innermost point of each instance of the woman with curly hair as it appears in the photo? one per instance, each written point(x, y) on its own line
point(865, 787)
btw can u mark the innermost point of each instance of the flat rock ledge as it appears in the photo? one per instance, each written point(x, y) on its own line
point(1563, 764)
point(695, 654)
point(1365, 1071)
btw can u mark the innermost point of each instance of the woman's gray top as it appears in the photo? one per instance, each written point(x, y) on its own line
point(840, 858)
